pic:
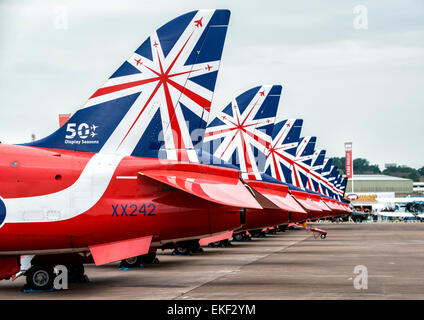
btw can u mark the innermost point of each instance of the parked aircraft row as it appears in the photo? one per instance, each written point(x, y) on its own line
point(141, 166)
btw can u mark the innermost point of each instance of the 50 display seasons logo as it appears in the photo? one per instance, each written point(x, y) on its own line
point(82, 133)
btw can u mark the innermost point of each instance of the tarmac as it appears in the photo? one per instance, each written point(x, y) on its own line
point(289, 265)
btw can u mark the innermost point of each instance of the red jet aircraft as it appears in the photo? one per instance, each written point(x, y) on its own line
point(122, 177)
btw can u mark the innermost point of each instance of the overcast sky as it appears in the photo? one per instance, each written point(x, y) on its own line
point(348, 84)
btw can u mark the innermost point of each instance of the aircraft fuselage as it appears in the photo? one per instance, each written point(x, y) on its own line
point(60, 201)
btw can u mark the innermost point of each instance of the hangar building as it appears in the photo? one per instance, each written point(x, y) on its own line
point(376, 192)
point(378, 183)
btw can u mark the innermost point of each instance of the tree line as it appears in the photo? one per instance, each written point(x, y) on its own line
point(363, 166)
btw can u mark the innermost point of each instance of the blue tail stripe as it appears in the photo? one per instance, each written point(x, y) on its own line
point(310, 147)
point(327, 166)
point(207, 80)
point(210, 45)
point(304, 178)
point(320, 159)
point(227, 110)
point(245, 98)
point(267, 129)
point(216, 122)
point(196, 125)
point(151, 141)
point(276, 90)
point(145, 50)
point(287, 174)
point(170, 32)
point(268, 108)
point(124, 70)
point(308, 162)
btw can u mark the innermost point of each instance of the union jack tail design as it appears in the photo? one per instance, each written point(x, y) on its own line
point(325, 170)
point(343, 186)
point(328, 175)
point(241, 133)
point(337, 186)
point(302, 162)
point(282, 152)
point(153, 103)
point(299, 164)
point(332, 176)
point(314, 177)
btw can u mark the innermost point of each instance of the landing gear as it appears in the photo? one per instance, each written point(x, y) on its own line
point(323, 236)
point(139, 261)
point(258, 233)
point(221, 243)
point(76, 273)
point(185, 248)
point(225, 243)
point(40, 277)
point(272, 231)
point(195, 247)
point(243, 236)
point(133, 262)
point(149, 258)
point(181, 251)
point(238, 237)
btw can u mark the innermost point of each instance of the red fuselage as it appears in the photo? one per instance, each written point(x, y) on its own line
point(132, 206)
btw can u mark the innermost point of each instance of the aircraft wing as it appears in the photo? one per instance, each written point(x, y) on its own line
point(278, 194)
point(343, 208)
point(348, 209)
point(219, 237)
point(212, 183)
point(305, 201)
point(332, 205)
point(317, 200)
point(114, 251)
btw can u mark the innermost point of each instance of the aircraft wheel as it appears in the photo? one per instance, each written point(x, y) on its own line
point(323, 236)
point(238, 237)
point(131, 262)
point(40, 277)
point(75, 272)
point(181, 251)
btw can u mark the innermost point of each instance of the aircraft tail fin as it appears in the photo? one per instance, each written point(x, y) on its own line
point(282, 152)
point(241, 133)
point(153, 102)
